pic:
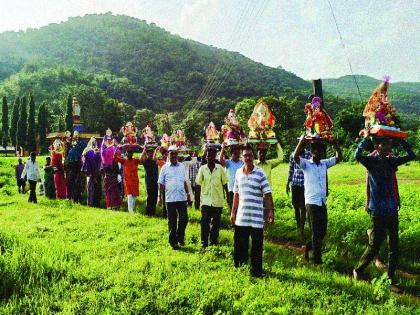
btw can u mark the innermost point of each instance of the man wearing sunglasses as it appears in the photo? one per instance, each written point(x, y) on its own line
point(251, 192)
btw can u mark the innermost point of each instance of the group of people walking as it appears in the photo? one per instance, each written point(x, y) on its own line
point(245, 183)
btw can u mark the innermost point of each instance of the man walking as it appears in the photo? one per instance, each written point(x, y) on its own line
point(383, 199)
point(251, 190)
point(296, 179)
point(211, 180)
point(173, 189)
point(151, 171)
point(232, 165)
point(268, 165)
point(315, 182)
point(18, 174)
point(33, 174)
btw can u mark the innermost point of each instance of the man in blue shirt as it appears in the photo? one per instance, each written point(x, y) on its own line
point(383, 202)
point(173, 189)
point(232, 165)
point(315, 182)
point(296, 178)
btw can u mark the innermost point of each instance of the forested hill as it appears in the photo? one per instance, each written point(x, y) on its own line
point(132, 61)
point(405, 96)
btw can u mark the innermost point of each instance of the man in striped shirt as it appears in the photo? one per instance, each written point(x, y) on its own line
point(251, 190)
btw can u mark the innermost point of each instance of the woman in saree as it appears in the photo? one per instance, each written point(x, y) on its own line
point(91, 166)
point(57, 151)
point(110, 171)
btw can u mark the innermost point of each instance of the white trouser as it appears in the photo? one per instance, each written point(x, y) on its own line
point(131, 200)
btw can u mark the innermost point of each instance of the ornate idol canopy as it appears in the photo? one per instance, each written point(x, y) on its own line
point(149, 136)
point(379, 113)
point(318, 123)
point(232, 132)
point(178, 139)
point(261, 124)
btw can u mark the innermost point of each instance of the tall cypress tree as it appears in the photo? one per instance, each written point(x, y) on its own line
point(69, 113)
point(22, 124)
point(61, 124)
point(14, 122)
point(43, 126)
point(31, 131)
point(5, 123)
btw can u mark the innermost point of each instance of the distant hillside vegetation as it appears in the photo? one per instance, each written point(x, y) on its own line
point(405, 96)
point(132, 61)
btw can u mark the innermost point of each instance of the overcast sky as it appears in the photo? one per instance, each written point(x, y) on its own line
point(380, 37)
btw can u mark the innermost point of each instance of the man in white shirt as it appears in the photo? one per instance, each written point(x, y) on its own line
point(33, 174)
point(173, 189)
point(315, 182)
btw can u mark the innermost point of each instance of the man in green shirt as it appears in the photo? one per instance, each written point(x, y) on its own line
point(211, 180)
point(268, 165)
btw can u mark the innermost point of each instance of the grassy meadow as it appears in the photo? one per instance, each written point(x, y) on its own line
point(57, 257)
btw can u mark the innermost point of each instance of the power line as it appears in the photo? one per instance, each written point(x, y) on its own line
point(216, 89)
point(221, 68)
point(345, 51)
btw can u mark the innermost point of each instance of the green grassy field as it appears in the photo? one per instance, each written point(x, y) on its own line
point(57, 257)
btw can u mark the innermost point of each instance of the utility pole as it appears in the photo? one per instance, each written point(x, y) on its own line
point(317, 89)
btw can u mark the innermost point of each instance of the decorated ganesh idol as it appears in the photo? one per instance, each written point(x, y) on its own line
point(232, 131)
point(148, 135)
point(129, 132)
point(165, 141)
point(178, 139)
point(318, 123)
point(380, 114)
point(212, 135)
point(261, 124)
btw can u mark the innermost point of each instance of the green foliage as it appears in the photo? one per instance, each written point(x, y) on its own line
point(43, 126)
point(142, 117)
point(14, 121)
point(131, 61)
point(381, 287)
point(32, 131)
point(194, 126)
point(98, 112)
point(66, 258)
point(405, 96)
point(5, 123)
point(22, 126)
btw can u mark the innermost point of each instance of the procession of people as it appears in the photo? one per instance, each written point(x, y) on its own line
point(176, 177)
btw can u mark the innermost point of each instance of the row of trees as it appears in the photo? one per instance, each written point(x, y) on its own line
point(99, 112)
point(23, 129)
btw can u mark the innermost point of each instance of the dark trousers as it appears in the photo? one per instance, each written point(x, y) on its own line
point(74, 182)
point(382, 225)
point(298, 202)
point(241, 244)
point(196, 193)
point(32, 191)
point(230, 200)
point(21, 186)
point(210, 224)
point(177, 222)
point(152, 196)
point(318, 221)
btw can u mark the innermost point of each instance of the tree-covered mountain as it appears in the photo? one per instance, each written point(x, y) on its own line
point(405, 96)
point(132, 61)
